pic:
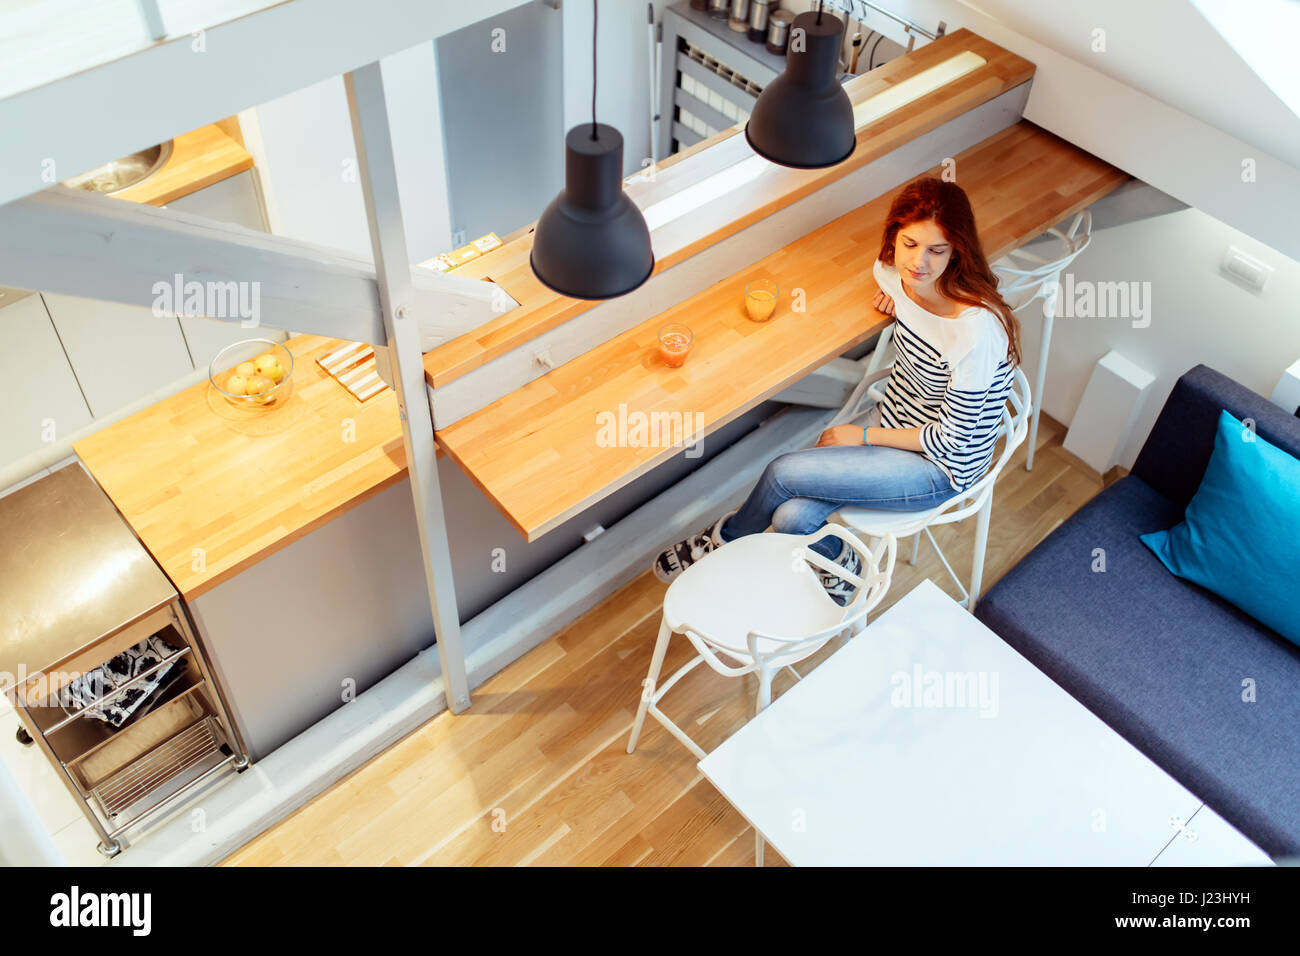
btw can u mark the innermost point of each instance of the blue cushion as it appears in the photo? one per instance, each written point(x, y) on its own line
point(1240, 536)
point(1174, 457)
point(1161, 660)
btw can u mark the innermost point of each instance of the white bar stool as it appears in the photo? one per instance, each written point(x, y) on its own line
point(1025, 277)
point(756, 602)
point(977, 499)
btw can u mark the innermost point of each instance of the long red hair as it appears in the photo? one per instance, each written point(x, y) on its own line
point(967, 278)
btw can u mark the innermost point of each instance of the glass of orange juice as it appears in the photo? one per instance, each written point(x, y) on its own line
point(674, 343)
point(760, 298)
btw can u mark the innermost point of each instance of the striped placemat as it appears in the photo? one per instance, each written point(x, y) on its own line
point(353, 367)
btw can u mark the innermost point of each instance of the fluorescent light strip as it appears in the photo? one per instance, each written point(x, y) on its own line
point(740, 174)
point(915, 87)
point(705, 191)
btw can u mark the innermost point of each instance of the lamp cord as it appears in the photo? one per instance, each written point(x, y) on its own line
point(593, 69)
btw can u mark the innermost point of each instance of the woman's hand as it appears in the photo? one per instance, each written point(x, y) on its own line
point(883, 303)
point(841, 435)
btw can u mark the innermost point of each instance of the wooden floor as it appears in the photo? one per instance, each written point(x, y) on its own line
point(537, 772)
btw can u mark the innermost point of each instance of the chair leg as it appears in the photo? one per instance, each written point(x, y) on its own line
point(651, 679)
point(1039, 379)
point(764, 690)
point(916, 547)
point(758, 848)
point(981, 545)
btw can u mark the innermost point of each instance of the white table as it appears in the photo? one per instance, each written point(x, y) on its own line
point(842, 769)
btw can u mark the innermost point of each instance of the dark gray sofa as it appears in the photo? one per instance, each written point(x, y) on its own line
point(1159, 659)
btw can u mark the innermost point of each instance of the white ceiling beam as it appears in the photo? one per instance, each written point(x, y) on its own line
point(178, 85)
point(80, 243)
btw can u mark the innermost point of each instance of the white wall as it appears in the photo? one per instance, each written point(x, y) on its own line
point(1150, 102)
point(623, 83)
point(308, 162)
point(1198, 315)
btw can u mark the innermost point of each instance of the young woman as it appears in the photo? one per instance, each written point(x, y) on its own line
point(932, 437)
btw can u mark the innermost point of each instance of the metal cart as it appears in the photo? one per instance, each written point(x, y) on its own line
point(77, 588)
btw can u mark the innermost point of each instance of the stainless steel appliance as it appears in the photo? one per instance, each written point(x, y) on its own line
point(78, 590)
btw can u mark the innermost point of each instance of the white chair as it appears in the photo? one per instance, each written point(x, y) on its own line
point(756, 602)
point(977, 499)
point(1025, 277)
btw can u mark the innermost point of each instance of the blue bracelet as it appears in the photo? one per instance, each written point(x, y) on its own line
point(864, 435)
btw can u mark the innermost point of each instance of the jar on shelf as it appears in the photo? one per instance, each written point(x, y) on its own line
point(739, 16)
point(778, 31)
point(759, 11)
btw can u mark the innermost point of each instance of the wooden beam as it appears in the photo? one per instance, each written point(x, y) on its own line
point(365, 91)
point(84, 244)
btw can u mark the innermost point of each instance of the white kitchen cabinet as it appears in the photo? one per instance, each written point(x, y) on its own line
point(42, 400)
point(88, 358)
point(235, 200)
point(120, 353)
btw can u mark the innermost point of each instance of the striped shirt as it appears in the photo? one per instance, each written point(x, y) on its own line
point(951, 379)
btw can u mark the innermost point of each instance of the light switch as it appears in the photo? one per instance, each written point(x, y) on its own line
point(1245, 270)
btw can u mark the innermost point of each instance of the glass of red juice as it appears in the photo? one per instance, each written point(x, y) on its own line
point(675, 343)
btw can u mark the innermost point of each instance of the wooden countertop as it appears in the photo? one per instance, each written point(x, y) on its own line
point(535, 452)
point(199, 158)
point(193, 472)
point(541, 309)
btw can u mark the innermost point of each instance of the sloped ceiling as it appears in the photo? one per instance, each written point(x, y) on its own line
point(1264, 40)
point(1169, 50)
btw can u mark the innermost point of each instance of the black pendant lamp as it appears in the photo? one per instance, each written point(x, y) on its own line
point(803, 118)
point(592, 242)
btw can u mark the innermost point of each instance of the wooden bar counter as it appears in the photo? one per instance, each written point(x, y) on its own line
point(534, 452)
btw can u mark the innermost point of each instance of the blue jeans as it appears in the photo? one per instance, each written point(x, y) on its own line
point(801, 489)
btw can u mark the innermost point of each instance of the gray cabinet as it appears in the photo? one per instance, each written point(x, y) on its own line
point(42, 400)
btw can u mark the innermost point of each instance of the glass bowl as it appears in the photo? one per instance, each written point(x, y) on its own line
point(227, 373)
